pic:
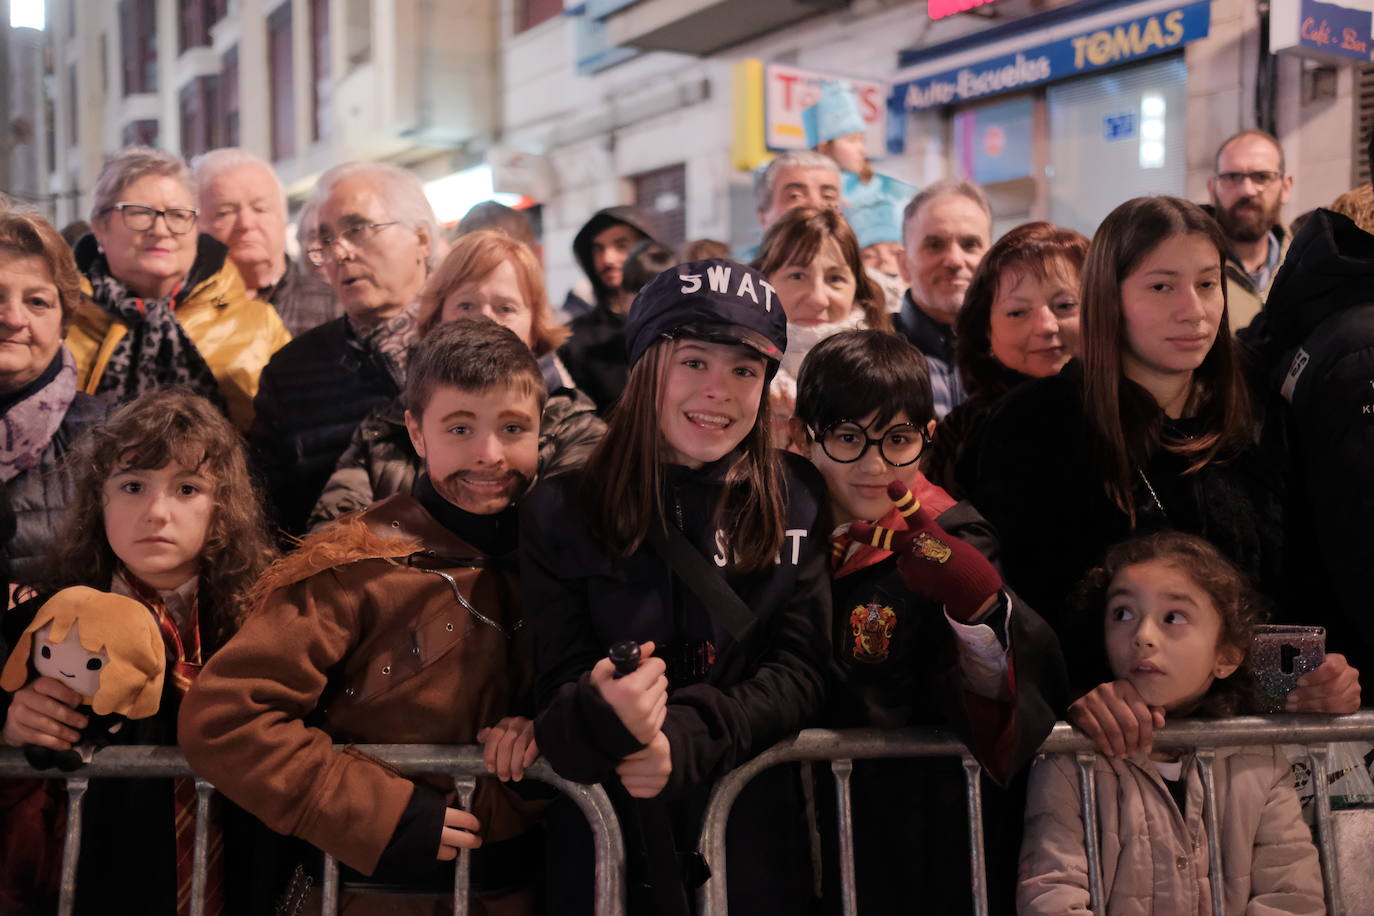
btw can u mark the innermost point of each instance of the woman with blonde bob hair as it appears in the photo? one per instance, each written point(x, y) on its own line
point(1153, 428)
point(486, 274)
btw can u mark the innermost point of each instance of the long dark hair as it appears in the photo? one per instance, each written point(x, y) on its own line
point(1126, 419)
point(623, 489)
point(160, 427)
point(1030, 249)
point(1237, 604)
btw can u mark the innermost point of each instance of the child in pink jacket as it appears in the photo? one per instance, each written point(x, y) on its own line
point(1178, 620)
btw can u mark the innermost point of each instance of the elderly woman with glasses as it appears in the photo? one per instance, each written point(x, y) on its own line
point(165, 305)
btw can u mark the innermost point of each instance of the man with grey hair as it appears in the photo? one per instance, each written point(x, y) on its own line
point(243, 204)
point(946, 229)
point(797, 178)
point(374, 237)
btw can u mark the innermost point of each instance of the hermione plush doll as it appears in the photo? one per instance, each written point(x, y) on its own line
point(105, 647)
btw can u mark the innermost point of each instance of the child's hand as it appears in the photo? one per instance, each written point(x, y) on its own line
point(460, 832)
point(43, 712)
point(934, 564)
point(1333, 688)
point(645, 773)
point(640, 699)
point(1117, 719)
point(509, 747)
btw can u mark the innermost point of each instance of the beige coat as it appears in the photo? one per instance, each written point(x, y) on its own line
point(1244, 300)
point(1154, 860)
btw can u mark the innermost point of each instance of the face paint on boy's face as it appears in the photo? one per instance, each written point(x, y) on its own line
point(68, 662)
point(709, 399)
point(481, 450)
point(157, 521)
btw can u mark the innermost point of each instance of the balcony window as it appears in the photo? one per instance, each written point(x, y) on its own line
point(282, 74)
point(138, 45)
point(321, 86)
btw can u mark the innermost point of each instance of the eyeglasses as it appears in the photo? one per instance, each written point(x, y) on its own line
point(1260, 180)
point(847, 442)
point(140, 218)
point(354, 237)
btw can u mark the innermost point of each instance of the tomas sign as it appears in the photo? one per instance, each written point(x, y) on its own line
point(1092, 49)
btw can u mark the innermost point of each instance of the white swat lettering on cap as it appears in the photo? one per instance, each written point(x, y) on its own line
point(719, 278)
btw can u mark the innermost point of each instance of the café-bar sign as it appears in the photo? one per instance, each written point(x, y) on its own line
point(1093, 49)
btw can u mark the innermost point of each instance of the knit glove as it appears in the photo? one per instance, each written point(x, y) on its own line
point(933, 563)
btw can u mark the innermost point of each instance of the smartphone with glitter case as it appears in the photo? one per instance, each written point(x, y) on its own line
point(1280, 656)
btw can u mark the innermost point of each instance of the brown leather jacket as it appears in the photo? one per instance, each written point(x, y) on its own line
point(356, 637)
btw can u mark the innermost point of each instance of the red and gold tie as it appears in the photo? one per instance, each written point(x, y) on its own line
point(186, 663)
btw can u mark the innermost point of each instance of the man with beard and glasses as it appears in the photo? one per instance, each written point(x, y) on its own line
point(1247, 192)
point(399, 624)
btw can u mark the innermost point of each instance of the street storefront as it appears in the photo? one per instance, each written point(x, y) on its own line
point(1059, 115)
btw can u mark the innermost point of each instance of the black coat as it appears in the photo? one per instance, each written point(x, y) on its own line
point(1314, 344)
point(1039, 486)
point(905, 810)
point(312, 395)
point(579, 601)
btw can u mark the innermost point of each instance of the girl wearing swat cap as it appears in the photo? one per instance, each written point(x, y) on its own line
point(687, 533)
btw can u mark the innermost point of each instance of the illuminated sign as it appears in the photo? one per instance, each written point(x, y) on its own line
point(1092, 49)
point(1328, 32)
point(939, 9)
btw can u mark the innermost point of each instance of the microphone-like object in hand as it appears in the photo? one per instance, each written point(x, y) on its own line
point(625, 656)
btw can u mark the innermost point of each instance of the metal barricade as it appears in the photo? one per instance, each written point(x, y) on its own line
point(843, 747)
point(464, 764)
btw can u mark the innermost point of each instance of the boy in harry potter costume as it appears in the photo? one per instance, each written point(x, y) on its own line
point(399, 624)
point(924, 634)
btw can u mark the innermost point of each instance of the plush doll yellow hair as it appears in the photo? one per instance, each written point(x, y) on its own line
point(122, 628)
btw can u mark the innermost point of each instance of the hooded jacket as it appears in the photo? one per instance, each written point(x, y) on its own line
point(595, 353)
point(1314, 346)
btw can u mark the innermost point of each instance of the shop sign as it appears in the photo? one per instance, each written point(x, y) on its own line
point(1094, 49)
point(787, 90)
point(1325, 31)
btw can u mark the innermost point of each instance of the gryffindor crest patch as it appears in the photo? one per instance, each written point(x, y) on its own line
point(872, 625)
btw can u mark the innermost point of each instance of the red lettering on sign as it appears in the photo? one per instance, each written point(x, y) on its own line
point(1312, 32)
point(1350, 41)
point(788, 81)
point(868, 99)
point(939, 9)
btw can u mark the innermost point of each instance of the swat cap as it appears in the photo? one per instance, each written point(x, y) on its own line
point(717, 300)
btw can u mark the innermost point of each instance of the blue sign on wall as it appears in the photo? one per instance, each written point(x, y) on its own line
point(1335, 30)
point(1095, 49)
point(1118, 127)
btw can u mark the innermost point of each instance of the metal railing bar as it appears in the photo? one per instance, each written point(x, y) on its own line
point(844, 770)
point(71, 845)
point(977, 866)
point(1087, 807)
point(201, 856)
point(1326, 838)
point(329, 887)
point(462, 874)
point(1216, 872)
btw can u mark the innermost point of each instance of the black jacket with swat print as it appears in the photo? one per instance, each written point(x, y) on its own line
point(1315, 343)
point(728, 701)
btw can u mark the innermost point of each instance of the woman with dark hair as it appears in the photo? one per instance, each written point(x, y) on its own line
point(41, 409)
point(811, 257)
point(1019, 321)
point(1152, 429)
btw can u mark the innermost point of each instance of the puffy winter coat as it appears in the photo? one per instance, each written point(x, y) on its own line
point(236, 335)
point(381, 460)
point(39, 495)
point(1154, 858)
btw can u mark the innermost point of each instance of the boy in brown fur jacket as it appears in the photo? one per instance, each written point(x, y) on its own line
point(399, 624)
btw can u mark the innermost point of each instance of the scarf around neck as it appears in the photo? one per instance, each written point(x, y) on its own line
point(29, 424)
point(156, 352)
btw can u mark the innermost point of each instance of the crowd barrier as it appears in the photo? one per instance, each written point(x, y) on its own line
point(463, 764)
point(841, 748)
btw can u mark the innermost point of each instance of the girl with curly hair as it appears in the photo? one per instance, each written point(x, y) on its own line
point(164, 511)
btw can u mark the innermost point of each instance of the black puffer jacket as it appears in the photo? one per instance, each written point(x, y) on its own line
point(312, 395)
point(38, 495)
point(1314, 344)
point(595, 353)
point(381, 460)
